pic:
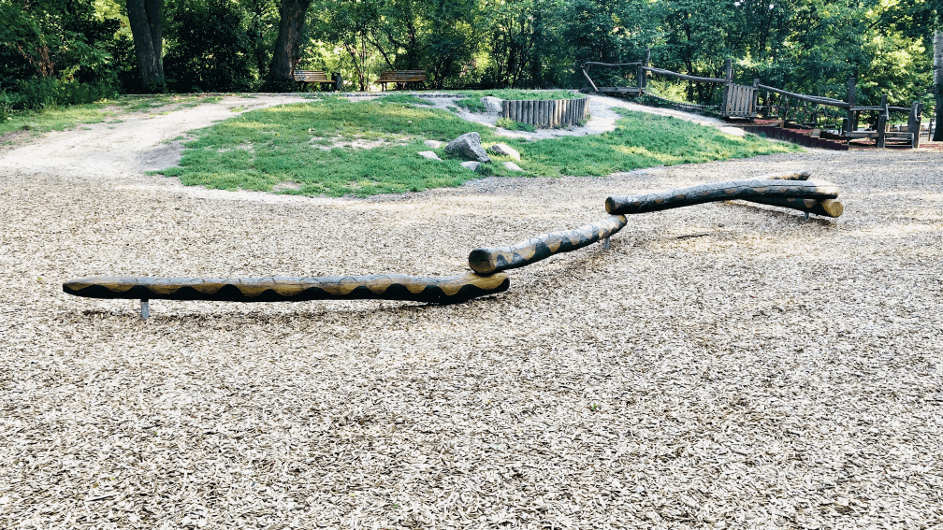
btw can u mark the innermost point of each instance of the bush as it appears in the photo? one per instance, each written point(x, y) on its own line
point(209, 48)
point(511, 125)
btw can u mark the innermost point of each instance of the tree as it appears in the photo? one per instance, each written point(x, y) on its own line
point(144, 17)
point(287, 50)
point(938, 81)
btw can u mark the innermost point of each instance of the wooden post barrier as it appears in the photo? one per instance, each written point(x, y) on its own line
point(722, 191)
point(489, 260)
point(882, 122)
point(437, 290)
point(914, 121)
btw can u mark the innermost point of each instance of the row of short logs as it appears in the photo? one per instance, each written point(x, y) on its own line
point(545, 114)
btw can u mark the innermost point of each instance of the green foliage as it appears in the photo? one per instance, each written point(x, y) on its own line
point(334, 147)
point(53, 52)
point(209, 46)
point(473, 104)
point(508, 123)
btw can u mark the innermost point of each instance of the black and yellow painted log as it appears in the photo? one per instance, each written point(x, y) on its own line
point(489, 260)
point(789, 190)
point(435, 290)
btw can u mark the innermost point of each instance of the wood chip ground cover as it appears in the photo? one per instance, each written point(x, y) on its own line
point(720, 366)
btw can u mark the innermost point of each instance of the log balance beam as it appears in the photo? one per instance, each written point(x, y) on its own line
point(440, 290)
point(780, 191)
point(790, 190)
point(489, 260)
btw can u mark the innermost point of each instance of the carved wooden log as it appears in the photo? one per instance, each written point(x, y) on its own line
point(722, 191)
point(441, 290)
point(826, 208)
point(489, 260)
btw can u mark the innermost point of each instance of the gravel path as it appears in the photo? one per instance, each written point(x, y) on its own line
point(720, 366)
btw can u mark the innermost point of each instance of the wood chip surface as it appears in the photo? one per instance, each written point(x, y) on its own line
point(721, 366)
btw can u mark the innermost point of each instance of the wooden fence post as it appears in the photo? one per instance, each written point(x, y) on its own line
point(756, 97)
point(913, 122)
point(882, 121)
point(851, 122)
point(642, 73)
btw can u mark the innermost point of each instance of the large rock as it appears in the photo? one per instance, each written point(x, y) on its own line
point(471, 165)
point(468, 146)
point(504, 149)
point(492, 104)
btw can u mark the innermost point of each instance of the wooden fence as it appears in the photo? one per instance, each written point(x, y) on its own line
point(742, 101)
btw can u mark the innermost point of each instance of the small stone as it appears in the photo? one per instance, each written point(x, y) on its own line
point(433, 144)
point(429, 154)
point(504, 149)
point(471, 165)
point(511, 166)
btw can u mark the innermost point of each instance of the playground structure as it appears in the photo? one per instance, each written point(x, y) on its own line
point(829, 118)
point(791, 190)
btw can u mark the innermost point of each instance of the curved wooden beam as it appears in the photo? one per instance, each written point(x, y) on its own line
point(826, 208)
point(489, 260)
point(722, 191)
point(441, 290)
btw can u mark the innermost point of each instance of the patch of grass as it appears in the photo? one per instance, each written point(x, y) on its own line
point(511, 125)
point(55, 118)
point(263, 149)
point(70, 117)
point(406, 99)
point(642, 140)
point(471, 104)
point(515, 94)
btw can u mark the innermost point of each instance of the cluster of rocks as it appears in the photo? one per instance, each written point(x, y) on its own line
point(469, 146)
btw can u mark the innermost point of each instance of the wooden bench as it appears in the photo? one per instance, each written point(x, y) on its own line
point(317, 76)
point(401, 76)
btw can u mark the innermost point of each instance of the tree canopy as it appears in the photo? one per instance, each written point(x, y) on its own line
point(53, 50)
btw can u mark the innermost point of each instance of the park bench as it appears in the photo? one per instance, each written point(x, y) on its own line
point(317, 76)
point(401, 77)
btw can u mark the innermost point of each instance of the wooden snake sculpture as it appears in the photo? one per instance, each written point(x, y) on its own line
point(441, 290)
point(790, 190)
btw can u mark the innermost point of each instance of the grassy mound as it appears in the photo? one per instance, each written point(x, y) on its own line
point(335, 147)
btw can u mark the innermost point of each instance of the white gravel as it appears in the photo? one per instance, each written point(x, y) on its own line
point(721, 366)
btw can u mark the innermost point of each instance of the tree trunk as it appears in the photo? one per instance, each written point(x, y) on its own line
point(938, 81)
point(144, 16)
point(287, 46)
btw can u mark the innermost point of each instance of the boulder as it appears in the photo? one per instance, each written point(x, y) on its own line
point(468, 146)
point(492, 104)
point(506, 150)
point(429, 154)
point(471, 165)
point(511, 166)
